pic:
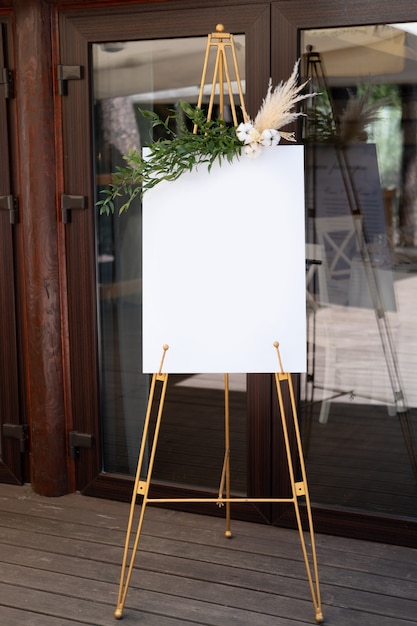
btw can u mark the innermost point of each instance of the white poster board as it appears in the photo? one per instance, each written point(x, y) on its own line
point(224, 267)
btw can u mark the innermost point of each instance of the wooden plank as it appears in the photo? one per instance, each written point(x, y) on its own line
point(63, 610)
point(16, 617)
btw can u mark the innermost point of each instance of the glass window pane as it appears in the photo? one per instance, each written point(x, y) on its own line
point(360, 395)
point(129, 77)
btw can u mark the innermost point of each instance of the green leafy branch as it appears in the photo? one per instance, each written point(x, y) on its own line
point(169, 158)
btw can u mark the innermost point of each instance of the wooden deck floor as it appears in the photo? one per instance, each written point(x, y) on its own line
point(60, 565)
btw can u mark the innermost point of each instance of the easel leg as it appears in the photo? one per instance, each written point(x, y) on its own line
point(141, 487)
point(300, 489)
point(228, 532)
point(225, 477)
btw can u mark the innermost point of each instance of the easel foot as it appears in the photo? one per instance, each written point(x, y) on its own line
point(118, 614)
point(319, 616)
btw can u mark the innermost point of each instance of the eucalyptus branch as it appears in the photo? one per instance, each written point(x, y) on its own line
point(169, 158)
point(184, 150)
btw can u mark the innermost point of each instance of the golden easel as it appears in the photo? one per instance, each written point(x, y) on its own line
point(220, 41)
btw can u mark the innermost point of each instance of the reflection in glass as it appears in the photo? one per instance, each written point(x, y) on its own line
point(127, 77)
point(360, 394)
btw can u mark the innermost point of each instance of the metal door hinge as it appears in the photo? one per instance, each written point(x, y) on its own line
point(9, 203)
point(69, 203)
point(66, 73)
point(78, 440)
point(17, 431)
point(6, 79)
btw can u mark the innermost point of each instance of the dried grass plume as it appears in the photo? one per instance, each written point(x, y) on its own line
point(277, 109)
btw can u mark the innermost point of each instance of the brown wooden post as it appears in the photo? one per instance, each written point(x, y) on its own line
point(38, 215)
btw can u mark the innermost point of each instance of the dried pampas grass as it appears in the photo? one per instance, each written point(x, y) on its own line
point(277, 109)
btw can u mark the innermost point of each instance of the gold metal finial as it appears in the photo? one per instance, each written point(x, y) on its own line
point(219, 28)
point(276, 346)
point(165, 347)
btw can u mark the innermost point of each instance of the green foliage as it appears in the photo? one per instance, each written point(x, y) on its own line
point(169, 158)
point(321, 125)
point(387, 93)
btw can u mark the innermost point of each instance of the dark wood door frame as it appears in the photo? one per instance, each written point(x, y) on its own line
point(11, 416)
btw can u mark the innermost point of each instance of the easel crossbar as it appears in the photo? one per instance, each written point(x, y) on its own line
point(217, 500)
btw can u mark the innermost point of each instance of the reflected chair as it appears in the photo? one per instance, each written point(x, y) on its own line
point(347, 326)
point(338, 238)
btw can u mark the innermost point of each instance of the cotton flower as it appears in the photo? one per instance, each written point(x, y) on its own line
point(270, 137)
point(242, 132)
point(252, 149)
point(247, 133)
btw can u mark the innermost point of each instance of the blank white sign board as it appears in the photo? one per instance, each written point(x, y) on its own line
point(224, 267)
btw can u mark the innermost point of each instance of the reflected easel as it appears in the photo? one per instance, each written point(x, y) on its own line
point(219, 41)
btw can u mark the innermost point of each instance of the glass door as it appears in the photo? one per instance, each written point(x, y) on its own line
point(145, 60)
point(360, 405)
point(358, 411)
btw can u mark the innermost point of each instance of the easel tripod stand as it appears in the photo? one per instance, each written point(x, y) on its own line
point(298, 487)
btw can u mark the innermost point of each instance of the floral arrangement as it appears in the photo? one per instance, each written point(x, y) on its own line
point(277, 110)
point(184, 150)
